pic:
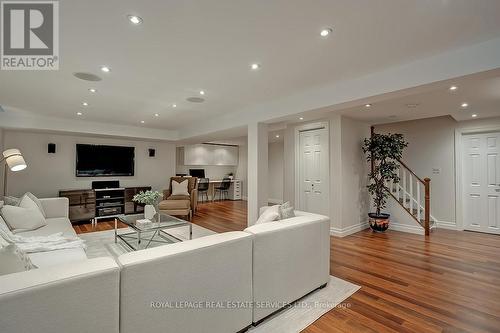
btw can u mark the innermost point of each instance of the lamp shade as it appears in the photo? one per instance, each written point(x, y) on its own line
point(14, 159)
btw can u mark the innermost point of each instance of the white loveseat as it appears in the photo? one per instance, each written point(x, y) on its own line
point(218, 283)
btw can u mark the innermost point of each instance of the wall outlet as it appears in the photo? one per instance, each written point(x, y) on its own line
point(436, 171)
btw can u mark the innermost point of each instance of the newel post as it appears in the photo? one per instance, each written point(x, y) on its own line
point(427, 185)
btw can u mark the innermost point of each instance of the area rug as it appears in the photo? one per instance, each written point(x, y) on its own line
point(309, 309)
point(294, 318)
point(102, 243)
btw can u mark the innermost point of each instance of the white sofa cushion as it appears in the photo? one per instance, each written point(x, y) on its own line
point(269, 215)
point(54, 225)
point(23, 218)
point(216, 268)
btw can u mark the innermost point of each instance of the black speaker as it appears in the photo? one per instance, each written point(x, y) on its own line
point(152, 152)
point(51, 148)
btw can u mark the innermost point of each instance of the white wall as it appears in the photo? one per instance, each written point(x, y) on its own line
point(1, 166)
point(211, 171)
point(349, 200)
point(48, 173)
point(242, 170)
point(275, 171)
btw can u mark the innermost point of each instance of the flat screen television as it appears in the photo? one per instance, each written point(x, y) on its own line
point(104, 161)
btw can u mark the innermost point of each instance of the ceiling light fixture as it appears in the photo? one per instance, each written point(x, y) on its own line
point(142, 121)
point(255, 66)
point(326, 32)
point(85, 104)
point(368, 105)
point(174, 105)
point(92, 90)
point(453, 88)
point(134, 19)
point(277, 135)
point(474, 115)
point(105, 69)
point(202, 92)
point(157, 114)
point(301, 118)
point(79, 113)
point(464, 105)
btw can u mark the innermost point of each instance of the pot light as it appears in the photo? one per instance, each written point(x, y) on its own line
point(474, 115)
point(105, 69)
point(368, 105)
point(85, 104)
point(157, 114)
point(79, 113)
point(277, 136)
point(134, 19)
point(255, 66)
point(453, 88)
point(202, 92)
point(465, 105)
point(326, 32)
point(301, 118)
point(142, 121)
point(174, 105)
point(92, 90)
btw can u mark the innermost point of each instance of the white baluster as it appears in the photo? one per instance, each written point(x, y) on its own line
point(418, 200)
point(404, 187)
point(411, 193)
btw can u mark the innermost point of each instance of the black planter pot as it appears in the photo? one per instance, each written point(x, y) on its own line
point(379, 222)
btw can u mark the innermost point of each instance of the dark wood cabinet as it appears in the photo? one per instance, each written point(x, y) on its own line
point(81, 204)
point(85, 205)
point(130, 206)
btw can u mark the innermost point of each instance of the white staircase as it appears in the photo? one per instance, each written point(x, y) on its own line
point(413, 194)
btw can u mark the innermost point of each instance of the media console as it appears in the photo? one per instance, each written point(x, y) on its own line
point(97, 203)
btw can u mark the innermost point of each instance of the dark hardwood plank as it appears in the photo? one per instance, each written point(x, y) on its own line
point(449, 282)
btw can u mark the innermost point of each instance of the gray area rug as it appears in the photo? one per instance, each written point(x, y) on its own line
point(295, 318)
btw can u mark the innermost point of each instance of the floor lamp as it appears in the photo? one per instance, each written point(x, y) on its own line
point(14, 161)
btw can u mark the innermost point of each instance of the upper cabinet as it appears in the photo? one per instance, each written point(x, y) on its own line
point(210, 155)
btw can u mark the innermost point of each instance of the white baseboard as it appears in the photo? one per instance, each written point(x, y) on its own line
point(413, 229)
point(447, 225)
point(275, 201)
point(244, 198)
point(342, 232)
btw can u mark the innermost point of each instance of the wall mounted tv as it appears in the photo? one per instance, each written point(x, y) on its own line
point(104, 161)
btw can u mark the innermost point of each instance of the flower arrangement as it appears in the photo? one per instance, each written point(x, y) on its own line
point(147, 198)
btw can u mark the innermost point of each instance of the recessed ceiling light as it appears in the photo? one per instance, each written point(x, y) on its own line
point(157, 114)
point(105, 69)
point(255, 66)
point(142, 121)
point(277, 135)
point(368, 105)
point(464, 105)
point(92, 90)
point(453, 88)
point(79, 113)
point(301, 118)
point(326, 32)
point(134, 19)
point(174, 105)
point(202, 92)
point(474, 115)
point(85, 104)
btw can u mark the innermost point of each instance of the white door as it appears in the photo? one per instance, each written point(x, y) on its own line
point(481, 182)
point(313, 171)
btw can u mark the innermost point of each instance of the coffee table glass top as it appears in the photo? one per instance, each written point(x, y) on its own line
point(166, 221)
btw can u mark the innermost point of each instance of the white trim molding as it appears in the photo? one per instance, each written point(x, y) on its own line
point(413, 229)
point(338, 232)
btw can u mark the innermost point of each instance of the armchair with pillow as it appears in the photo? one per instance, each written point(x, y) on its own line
point(181, 198)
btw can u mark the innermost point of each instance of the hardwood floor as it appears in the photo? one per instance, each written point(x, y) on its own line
point(447, 283)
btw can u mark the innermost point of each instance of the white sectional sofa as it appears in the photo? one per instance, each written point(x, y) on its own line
point(219, 283)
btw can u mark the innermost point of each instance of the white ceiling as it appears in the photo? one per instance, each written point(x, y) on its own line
point(185, 46)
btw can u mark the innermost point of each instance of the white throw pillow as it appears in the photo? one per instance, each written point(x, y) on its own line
point(14, 260)
point(269, 215)
point(180, 188)
point(36, 201)
point(25, 217)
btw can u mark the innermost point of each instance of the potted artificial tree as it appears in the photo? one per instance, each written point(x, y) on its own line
point(383, 151)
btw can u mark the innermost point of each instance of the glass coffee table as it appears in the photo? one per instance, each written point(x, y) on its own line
point(153, 234)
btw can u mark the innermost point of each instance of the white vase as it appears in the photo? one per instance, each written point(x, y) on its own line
point(149, 212)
